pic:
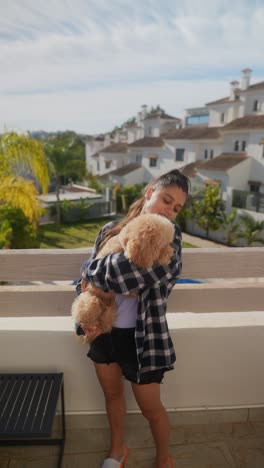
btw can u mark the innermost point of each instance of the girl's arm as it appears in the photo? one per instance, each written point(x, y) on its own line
point(98, 240)
point(116, 273)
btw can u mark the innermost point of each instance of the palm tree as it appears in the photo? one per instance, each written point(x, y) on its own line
point(66, 157)
point(251, 230)
point(232, 227)
point(22, 160)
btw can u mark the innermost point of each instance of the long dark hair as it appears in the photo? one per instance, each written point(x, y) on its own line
point(174, 177)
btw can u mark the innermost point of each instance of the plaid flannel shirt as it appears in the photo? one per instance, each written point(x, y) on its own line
point(116, 273)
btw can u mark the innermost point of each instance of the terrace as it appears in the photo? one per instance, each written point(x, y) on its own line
point(215, 396)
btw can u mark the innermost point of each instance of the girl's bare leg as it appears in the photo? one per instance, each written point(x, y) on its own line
point(110, 378)
point(148, 400)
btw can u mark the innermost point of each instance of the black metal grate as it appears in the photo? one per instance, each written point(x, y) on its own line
point(28, 404)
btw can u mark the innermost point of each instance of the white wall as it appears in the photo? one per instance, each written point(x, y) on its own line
point(215, 112)
point(91, 147)
point(136, 177)
point(220, 176)
point(117, 160)
point(251, 96)
point(208, 145)
point(257, 172)
point(190, 151)
point(254, 148)
point(219, 360)
point(239, 175)
point(132, 134)
point(167, 125)
point(152, 127)
point(252, 138)
point(236, 177)
point(163, 162)
point(231, 137)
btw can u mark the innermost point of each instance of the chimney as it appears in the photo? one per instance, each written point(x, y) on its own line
point(234, 85)
point(245, 80)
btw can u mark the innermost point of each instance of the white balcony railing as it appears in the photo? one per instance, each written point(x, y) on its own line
point(217, 327)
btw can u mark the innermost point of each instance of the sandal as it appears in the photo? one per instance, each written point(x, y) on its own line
point(112, 463)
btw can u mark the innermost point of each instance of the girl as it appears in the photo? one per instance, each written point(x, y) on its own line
point(139, 347)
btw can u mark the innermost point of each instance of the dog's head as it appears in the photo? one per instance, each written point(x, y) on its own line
point(144, 237)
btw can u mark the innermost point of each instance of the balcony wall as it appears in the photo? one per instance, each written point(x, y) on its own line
point(217, 328)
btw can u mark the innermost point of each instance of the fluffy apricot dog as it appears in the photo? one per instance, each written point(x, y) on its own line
point(145, 241)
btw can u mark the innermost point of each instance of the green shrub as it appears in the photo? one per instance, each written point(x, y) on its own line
point(16, 231)
point(125, 196)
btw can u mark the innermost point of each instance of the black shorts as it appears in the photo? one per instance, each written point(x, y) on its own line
point(119, 346)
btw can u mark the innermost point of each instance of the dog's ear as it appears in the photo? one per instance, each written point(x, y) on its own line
point(165, 255)
point(138, 254)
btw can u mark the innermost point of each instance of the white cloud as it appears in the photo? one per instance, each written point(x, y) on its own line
point(58, 55)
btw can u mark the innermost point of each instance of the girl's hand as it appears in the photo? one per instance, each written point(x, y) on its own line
point(91, 331)
point(83, 285)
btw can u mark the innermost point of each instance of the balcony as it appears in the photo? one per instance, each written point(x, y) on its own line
point(215, 395)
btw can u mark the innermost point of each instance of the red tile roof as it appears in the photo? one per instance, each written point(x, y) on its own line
point(148, 141)
point(259, 85)
point(224, 100)
point(224, 161)
point(162, 116)
point(193, 133)
point(121, 171)
point(248, 122)
point(115, 148)
point(190, 169)
point(227, 99)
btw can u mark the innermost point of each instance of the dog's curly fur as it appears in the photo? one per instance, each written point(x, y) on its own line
point(145, 241)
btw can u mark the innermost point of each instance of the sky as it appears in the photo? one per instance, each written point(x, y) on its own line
point(89, 65)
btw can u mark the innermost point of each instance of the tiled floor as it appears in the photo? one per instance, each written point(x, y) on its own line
point(221, 445)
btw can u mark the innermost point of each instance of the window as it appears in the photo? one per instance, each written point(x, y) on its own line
point(254, 187)
point(256, 105)
point(211, 154)
point(236, 145)
point(108, 164)
point(149, 131)
point(244, 145)
point(205, 154)
point(197, 120)
point(179, 155)
point(222, 117)
point(152, 162)
point(139, 158)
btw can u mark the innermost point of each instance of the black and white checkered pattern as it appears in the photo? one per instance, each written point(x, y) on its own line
point(116, 273)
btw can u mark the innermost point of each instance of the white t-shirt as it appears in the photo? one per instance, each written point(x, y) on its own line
point(126, 312)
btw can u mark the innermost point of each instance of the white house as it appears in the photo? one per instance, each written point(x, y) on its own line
point(130, 174)
point(228, 169)
point(152, 154)
point(107, 153)
point(227, 127)
point(193, 143)
point(109, 158)
point(239, 121)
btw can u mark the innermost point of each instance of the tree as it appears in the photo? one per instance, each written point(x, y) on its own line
point(207, 212)
point(154, 111)
point(93, 182)
point(66, 156)
point(22, 167)
point(232, 227)
point(16, 232)
point(125, 196)
point(251, 229)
